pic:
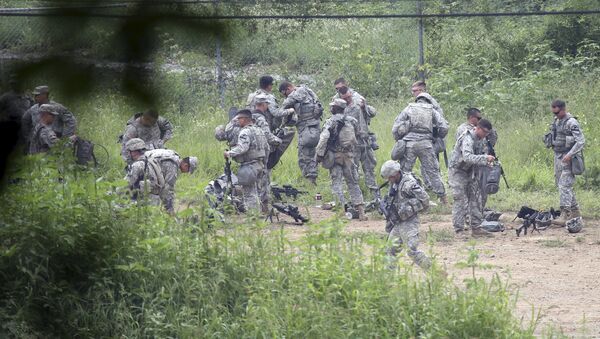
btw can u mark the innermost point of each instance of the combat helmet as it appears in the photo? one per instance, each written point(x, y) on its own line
point(574, 225)
point(135, 144)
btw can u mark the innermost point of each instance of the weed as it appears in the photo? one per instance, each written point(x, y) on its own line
point(553, 243)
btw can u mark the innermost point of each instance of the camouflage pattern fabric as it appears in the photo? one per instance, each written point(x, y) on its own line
point(145, 180)
point(150, 134)
point(43, 139)
point(64, 124)
point(275, 112)
point(363, 154)
point(464, 181)
point(403, 227)
point(423, 150)
point(567, 129)
point(169, 165)
point(261, 122)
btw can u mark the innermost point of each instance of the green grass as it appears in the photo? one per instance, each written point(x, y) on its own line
point(553, 243)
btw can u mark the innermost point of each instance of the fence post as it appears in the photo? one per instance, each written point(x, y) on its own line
point(421, 72)
point(220, 81)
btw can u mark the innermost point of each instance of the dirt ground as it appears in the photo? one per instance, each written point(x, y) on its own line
point(554, 273)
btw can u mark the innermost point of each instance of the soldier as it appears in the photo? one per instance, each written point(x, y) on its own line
point(148, 126)
point(309, 111)
point(155, 172)
point(335, 151)
point(464, 179)
point(170, 164)
point(43, 136)
point(406, 199)
point(258, 115)
point(419, 89)
point(567, 141)
point(418, 124)
point(64, 124)
point(482, 147)
point(250, 151)
point(363, 151)
point(368, 111)
point(278, 118)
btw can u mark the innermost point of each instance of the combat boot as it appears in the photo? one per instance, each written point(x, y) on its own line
point(575, 212)
point(565, 214)
point(361, 212)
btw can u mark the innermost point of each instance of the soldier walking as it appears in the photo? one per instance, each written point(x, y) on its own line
point(417, 125)
point(309, 111)
point(567, 141)
point(335, 151)
point(406, 199)
point(465, 162)
point(250, 151)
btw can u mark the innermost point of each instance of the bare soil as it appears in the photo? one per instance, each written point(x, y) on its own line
point(554, 273)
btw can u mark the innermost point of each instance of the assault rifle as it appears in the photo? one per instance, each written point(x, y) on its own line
point(493, 153)
point(540, 220)
point(288, 190)
point(379, 202)
point(287, 209)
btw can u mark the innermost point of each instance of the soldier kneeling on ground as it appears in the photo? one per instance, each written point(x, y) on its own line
point(154, 173)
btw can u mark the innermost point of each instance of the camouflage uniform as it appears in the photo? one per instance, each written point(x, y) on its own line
point(154, 136)
point(228, 133)
point(63, 126)
point(43, 138)
point(568, 140)
point(405, 200)
point(464, 181)
point(250, 151)
point(415, 125)
point(481, 148)
point(344, 167)
point(264, 186)
point(169, 166)
point(438, 143)
point(363, 153)
point(146, 180)
point(308, 108)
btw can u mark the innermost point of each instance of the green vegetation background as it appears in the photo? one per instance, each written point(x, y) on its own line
point(75, 261)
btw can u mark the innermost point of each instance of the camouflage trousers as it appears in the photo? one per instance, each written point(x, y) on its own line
point(250, 191)
point(308, 137)
point(406, 234)
point(564, 180)
point(344, 168)
point(264, 190)
point(365, 156)
point(466, 192)
point(423, 150)
point(277, 153)
point(167, 195)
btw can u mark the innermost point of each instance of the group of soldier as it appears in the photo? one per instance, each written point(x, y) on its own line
point(259, 134)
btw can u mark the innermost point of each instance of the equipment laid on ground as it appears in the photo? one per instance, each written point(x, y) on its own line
point(288, 190)
point(540, 220)
point(287, 209)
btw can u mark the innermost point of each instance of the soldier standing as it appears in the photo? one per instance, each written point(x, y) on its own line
point(464, 179)
point(567, 141)
point(419, 89)
point(335, 151)
point(406, 199)
point(64, 124)
point(250, 151)
point(363, 151)
point(417, 125)
point(148, 126)
point(43, 136)
point(309, 110)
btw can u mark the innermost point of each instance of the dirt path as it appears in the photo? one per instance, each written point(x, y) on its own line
point(556, 272)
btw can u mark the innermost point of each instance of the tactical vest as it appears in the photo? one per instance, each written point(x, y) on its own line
point(310, 108)
point(421, 118)
point(343, 134)
point(259, 147)
point(562, 140)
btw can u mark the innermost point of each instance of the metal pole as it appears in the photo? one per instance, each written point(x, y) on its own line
point(421, 71)
point(220, 82)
